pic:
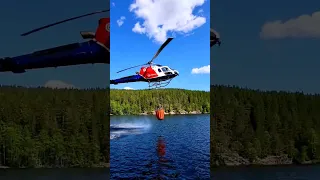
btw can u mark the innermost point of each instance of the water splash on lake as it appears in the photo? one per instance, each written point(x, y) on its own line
point(121, 128)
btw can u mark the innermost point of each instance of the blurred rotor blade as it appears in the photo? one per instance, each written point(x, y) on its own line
point(63, 21)
point(131, 67)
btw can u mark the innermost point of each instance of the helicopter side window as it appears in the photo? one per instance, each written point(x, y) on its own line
point(159, 70)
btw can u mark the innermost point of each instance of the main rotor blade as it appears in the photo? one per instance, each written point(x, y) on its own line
point(131, 67)
point(63, 21)
point(160, 49)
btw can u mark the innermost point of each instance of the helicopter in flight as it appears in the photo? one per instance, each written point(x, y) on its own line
point(156, 75)
point(214, 38)
point(95, 50)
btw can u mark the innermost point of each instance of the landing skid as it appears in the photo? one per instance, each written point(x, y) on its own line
point(159, 84)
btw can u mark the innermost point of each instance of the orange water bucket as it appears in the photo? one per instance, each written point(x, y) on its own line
point(160, 114)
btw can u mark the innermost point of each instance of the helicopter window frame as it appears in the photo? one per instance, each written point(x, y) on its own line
point(159, 70)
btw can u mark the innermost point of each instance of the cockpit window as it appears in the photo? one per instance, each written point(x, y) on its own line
point(159, 70)
point(164, 69)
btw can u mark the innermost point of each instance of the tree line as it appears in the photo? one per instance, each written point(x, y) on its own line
point(134, 102)
point(42, 127)
point(257, 124)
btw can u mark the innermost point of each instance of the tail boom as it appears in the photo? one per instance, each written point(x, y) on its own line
point(73, 54)
point(128, 79)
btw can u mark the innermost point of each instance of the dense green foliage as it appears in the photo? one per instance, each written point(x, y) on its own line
point(146, 101)
point(259, 124)
point(42, 127)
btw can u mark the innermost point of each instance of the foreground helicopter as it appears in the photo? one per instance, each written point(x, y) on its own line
point(156, 75)
point(214, 38)
point(96, 50)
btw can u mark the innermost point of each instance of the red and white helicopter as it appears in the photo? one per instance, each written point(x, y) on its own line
point(155, 75)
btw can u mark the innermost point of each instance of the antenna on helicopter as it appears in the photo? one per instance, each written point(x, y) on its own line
point(63, 21)
point(154, 57)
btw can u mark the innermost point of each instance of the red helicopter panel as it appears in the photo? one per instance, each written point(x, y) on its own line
point(148, 72)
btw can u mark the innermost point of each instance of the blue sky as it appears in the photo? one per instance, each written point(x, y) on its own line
point(245, 59)
point(185, 52)
point(18, 16)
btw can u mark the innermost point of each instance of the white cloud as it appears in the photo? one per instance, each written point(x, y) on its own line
point(304, 26)
point(159, 17)
point(200, 11)
point(113, 4)
point(201, 70)
point(128, 88)
point(121, 21)
point(57, 84)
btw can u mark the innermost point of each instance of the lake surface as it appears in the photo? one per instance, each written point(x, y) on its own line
point(54, 174)
point(268, 173)
point(144, 147)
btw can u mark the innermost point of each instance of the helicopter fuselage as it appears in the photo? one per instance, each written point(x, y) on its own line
point(155, 73)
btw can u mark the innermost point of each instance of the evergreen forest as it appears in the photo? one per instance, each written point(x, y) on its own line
point(42, 127)
point(257, 124)
point(135, 102)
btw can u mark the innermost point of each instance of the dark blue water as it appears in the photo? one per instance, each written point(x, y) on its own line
point(268, 173)
point(175, 148)
point(55, 174)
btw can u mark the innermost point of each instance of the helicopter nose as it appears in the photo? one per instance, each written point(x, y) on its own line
point(176, 72)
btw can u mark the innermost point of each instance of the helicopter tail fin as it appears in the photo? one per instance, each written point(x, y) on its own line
point(103, 32)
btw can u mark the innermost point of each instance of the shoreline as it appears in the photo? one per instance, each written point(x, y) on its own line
point(166, 113)
point(233, 160)
point(264, 165)
point(101, 165)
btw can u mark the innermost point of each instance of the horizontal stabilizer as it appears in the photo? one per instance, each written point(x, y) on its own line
point(87, 35)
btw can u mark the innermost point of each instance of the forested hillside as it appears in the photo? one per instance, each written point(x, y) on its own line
point(41, 127)
point(257, 125)
point(146, 101)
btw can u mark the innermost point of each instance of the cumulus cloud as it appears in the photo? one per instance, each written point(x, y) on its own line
point(304, 26)
point(121, 21)
point(201, 70)
point(159, 17)
point(57, 84)
point(128, 88)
